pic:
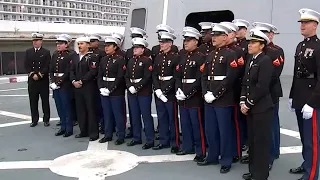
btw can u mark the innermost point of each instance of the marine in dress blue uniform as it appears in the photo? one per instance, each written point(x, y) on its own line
point(206, 47)
point(276, 54)
point(112, 89)
point(219, 73)
point(61, 84)
point(188, 92)
point(163, 76)
point(120, 37)
point(256, 103)
point(83, 75)
point(138, 79)
point(36, 63)
point(305, 94)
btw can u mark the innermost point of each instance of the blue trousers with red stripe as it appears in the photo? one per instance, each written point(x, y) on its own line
point(141, 105)
point(168, 123)
point(238, 131)
point(219, 136)
point(310, 135)
point(114, 113)
point(192, 131)
point(275, 136)
point(62, 98)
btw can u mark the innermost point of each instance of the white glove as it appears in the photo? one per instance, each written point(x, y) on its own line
point(179, 98)
point(307, 111)
point(163, 98)
point(290, 105)
point(132, 90)
point(180, 92)
point(209, 97)
point(104, 92)
point(158, 93)
point(54, 86)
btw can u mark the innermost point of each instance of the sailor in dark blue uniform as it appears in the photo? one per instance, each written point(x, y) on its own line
point(188, 86)
point(164, 69)
point(112, 89)
point(305, 94)
point(276, 54)
point(220, 71)
point(138, 79)
point(61, 84)
point(206, 47)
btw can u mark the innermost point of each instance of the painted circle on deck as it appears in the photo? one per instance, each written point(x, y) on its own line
point(94, 164)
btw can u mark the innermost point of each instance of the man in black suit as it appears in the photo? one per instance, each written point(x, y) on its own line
point(37, 61)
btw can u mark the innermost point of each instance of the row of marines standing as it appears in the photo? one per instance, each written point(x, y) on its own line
point(215, 72)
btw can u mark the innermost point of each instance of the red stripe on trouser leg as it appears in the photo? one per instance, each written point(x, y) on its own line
point(176, 123)
point(237, 130)
point(203, 146)
point(314, 145)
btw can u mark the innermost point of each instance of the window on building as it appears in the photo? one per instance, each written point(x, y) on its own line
point(138, 18)
point(8, 63)
point(5, 7)
point(29, 10)
point(14, 9)
point(43, 11)
point(14, 17)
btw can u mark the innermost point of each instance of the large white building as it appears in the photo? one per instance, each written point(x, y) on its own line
point(98, 12)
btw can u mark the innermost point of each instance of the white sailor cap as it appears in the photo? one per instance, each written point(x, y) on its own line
point(135, 30)
point(231, 26)
point(241, 23)
point(265, 27)
point(37, 36)
point(219, 29)
point(95, 37)
point(83, 39)
point(258, 35)
point(190, 32)
point(309, 15)
point(111, 39)
point(118, 35)
point(164, 27)
point(165, 36)
point(206, 25)
point(138, 42)
point(64, 38)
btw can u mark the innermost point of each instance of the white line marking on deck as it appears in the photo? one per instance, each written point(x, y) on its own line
point(17, 89)
point(42, 164)
point(289, 132)
point(16, 95)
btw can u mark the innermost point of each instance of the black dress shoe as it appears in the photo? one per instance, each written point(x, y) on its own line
point(301, 179)
point(270, 167)
point(60, 133)
point(68, 134)
point(119, 142)
point(206, 163)
point(33, 124)
point(298, 170)
point(75, 123)
point(174, 150)
point(198, 159)
point(133, 143)
point(156, 131)
point(58, 124)
point(235, 159)
point(181, 153)
point(245, 159)
point(46, 124)
point(148, 146)
point(247, 176)
point(244, 148)
point(93, 139)
point(160, 146)
point(128, 136)
point(80, 135)
point(225, 169)
point(105, 139)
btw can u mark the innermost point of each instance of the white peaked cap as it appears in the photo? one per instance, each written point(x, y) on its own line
point(265, 27)
point(118, 35)
point(258, 35)
point(222, 28)
point(95, 37)
point(83, 39)
point(231, 26)
point(191, 32)
point(241, 23)
point(167, 35)
point(111, 39)
point(206, 25)
point(135, 30)
point(139, 41)
point(309, 15)
point(64, 37)
point(37, 35)
point(164, 27)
